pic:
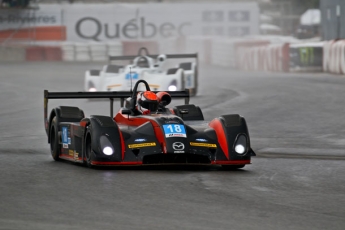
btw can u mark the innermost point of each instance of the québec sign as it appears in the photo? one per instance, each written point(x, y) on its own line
point(133, 29)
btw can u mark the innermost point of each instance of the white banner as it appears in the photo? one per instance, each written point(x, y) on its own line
point(150, 21)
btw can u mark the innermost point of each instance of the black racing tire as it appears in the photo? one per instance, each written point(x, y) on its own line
point(88, 148)
point(232, 167)
point(55, 148)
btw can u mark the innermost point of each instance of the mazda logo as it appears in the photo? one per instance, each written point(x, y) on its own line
point(178, 146)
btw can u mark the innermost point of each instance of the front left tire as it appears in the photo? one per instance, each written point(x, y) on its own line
point(55, 148)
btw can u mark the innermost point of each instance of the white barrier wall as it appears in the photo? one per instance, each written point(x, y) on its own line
point(78, 51)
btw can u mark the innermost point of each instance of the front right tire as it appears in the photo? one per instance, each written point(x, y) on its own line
point(88, 148)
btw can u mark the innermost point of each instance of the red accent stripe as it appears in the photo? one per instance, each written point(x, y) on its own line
point(239, 162)
point(122, 145)
point(83, 123)
point(218, 127)
point(123, 119)
point(66, 156)
point(116, 163)
point(160, 136)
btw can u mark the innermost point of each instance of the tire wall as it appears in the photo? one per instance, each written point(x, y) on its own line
point(334, 56)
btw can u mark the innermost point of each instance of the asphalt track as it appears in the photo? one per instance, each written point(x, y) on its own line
point(296, 122)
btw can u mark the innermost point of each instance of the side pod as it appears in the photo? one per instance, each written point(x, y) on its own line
point(63, 114)
point(103, 132)
point(228, 129)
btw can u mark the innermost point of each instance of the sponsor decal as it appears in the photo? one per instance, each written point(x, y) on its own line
point(201, 140)
point(69, 140)
point(176, 130)
point(189, 81)
point(178, 146)
point(139, 140)
point(207, 145)
point(171, 122)
point(142, 145)
point(133, 76)
point(76, 155)
point(64, 137)
point(179, 151)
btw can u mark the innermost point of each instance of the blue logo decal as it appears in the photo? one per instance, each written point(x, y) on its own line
point(174, 130)
point(135, 76)
point(64, 135)
point(140, 140)
point(201, 140)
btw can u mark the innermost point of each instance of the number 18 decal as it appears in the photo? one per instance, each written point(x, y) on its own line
point(175, 130)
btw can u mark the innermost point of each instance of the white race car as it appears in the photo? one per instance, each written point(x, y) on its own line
point(147, 67)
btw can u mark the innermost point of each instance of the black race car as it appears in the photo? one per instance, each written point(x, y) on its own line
point(145, 132)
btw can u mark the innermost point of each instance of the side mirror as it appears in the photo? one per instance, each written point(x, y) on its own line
point(126, 111)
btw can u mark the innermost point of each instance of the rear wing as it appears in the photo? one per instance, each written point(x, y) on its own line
point(111, 95)
point(169, 56)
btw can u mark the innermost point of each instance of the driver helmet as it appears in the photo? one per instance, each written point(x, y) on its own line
point(143, 62)
point(147, 102)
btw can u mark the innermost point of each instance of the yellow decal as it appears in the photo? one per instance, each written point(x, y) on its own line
point(154, 86)
point(76, 155)
point(141, 145)
point(113, 86)
point(70, 152)
point(207, 145)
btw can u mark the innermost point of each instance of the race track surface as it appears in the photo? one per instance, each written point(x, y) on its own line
point(297, 128)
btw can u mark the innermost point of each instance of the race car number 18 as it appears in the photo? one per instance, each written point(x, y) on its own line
point(174, 130)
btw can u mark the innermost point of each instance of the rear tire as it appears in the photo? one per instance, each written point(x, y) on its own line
point(55, 147)
point(232, 167)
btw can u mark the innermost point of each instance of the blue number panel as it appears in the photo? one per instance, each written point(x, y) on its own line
point(174, 130)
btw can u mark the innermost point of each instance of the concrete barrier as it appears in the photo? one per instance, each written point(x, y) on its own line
point(98, 51)
point(68, 51)
point(12, 53)
point(263, 56)
point(114, 48)
point(34, 53)
point(82, 52)
point(52, 53)
point(132, 47)
point(244, 51)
